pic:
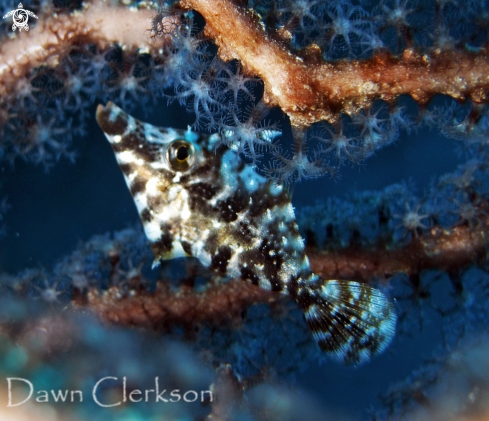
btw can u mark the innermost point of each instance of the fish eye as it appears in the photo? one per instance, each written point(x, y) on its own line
point(181, 155)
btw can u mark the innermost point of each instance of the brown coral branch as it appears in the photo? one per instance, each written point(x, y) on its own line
point(444, 249)
point(309, 90)
point(101, 24)
point(448, 250)
point(164, 309)
point(304, 87)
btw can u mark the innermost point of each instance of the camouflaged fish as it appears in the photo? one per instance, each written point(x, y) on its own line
point(196, 198)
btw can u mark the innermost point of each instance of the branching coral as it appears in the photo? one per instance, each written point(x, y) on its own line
point(343, 64)
point(308, 90)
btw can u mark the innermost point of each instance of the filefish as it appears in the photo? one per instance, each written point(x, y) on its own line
point(196, 197)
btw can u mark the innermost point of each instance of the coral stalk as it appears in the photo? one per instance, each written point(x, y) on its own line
point(164, 309)
point(305, 87)
point(448, 250)
point(309, 90)
point(100, 23)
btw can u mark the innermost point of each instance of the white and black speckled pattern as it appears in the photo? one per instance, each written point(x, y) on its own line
point(239, 224)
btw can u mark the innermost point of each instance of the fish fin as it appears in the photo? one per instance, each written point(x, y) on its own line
point(350, 321)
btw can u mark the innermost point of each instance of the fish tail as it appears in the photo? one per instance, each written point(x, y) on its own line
point(350, 321)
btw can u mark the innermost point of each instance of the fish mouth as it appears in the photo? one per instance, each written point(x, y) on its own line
point(111, 119)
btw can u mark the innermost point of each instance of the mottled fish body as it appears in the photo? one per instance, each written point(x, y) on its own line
point(196, 198)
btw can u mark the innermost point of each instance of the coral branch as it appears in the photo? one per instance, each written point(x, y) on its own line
point(305, 87)
point(309, 90)
point(448, 250)
point(165, 309)
point(101, 24)
point(445, 249)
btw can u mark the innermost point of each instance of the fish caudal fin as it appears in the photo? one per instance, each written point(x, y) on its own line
point(350, 321)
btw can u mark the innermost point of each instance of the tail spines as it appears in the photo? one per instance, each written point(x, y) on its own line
point(349, 320)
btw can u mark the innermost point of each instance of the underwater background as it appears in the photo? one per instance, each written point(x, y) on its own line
point(71, 233)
